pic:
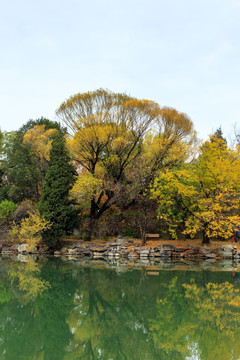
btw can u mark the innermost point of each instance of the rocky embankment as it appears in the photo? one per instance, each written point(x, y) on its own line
point(123, 248)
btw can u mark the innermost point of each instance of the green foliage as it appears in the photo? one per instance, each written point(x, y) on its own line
point(22, 210)
point(24, 171)
point(5, 294)
point(54, 204)
point(6, 210)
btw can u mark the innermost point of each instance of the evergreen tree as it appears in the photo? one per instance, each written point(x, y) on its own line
point(54, 204)
point(218, 135)
point(20, 165)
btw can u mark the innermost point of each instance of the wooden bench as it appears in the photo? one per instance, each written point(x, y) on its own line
point(152, 236)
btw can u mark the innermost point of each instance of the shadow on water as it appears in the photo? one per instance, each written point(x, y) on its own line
point(51, 309)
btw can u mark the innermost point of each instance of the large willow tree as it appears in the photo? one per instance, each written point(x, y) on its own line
point(119, 143)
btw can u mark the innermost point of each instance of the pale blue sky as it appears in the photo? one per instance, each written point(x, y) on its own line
point(181, 53)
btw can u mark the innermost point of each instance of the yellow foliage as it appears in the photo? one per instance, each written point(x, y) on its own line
point(29, 230)
point(208, 190)
point(28, 280)
point(123, 142)
point(218, 304)
point(40, 140)
point(200, 315)
point(85, 188)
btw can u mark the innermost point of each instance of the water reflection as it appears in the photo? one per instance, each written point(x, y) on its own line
point(55, 310)
point(26, 274)
point(198, 320)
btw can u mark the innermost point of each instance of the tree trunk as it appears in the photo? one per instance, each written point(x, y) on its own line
point(205, 239)
point(89, 230)
point(91, 222)
point(143, 237)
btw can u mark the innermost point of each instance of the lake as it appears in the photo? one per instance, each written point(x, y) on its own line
point(55, 309)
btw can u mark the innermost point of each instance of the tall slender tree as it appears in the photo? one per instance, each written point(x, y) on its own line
point(54, 204)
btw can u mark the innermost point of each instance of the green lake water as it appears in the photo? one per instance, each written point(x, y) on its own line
point(53, 309)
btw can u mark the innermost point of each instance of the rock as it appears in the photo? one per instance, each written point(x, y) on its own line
point(23, 258)
point(210, 255)
point(115, 246)
point(155, 254)
point(130, 241)
point(57, 253)
point(144, 253)
point(166, 247)
point(165, 253)
point(179, 250)
point(137, 248)
point(23, 248)
point(81, 245)
point(225, 254)
point(97, 255)
point(143, 260)
point(98, 249)
point(133, 254)
point(178, 255)
point(110, 253)
point(121, 239)
point(204, 250)
point(72, 258)
point(72, 251)
point(227, 247)
point(192, 247)
point(6, 250)
point(152, 253)
point(124, 253)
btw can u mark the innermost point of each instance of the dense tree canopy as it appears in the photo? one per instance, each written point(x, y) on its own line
point(119, 144)
point(129, 155)
point(22, 162)
point(205, 195)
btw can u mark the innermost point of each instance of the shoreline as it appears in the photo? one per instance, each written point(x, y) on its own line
point(132, 249)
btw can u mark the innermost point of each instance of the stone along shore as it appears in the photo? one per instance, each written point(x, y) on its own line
point(124, 248)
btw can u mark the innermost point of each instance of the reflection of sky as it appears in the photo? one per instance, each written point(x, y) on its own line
point(183, 54)
point(195, 353)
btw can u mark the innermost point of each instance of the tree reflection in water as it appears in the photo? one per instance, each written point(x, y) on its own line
point(199, 319)
point(56, 310)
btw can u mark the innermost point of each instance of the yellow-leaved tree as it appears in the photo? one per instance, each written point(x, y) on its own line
point(29, 230)
point(119, 143)
point(38, 140)
point(204, 195)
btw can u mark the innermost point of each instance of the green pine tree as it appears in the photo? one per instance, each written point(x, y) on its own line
point(54, 204)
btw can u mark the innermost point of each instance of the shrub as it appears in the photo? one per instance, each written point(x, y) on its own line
point(22, 211)
point(6, 210)
point(29, 230)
